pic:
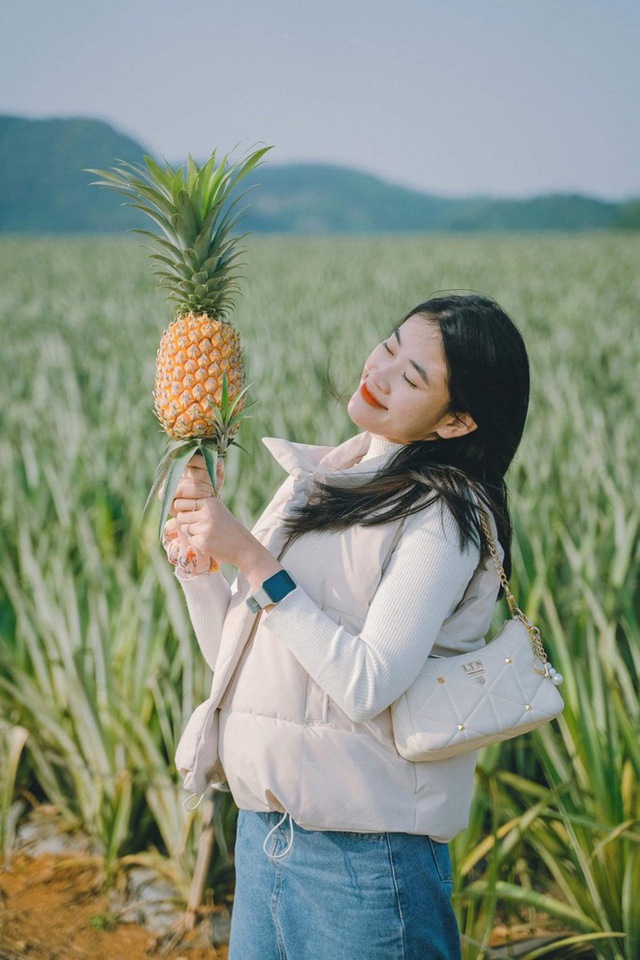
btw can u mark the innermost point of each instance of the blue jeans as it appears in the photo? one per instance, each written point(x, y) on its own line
point(330, 895)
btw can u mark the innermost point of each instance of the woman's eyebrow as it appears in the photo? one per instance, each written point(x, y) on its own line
point(421, 370)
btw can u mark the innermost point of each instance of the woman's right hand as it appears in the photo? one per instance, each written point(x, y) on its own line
point(181, 554)
point(175, 542)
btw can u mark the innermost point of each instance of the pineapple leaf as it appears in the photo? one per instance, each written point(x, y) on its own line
point(160, 176)
point(153, 212)
point(216, 258)
point(177, 269)
point(189, 257)
point(174, 472)
point(178, 184)
point(173, 250)
point(188, 286)
point(219, 176)
point(201, 246)
point(137, 178)
point(168, 231)
point(219, 192)
point(192, 206)
point(156, 199)
point(192, 175)
point(113, 180)
point(224, 260)
point(173, 448)
point(134, 184)
point(236, 400)
point(210, 453)
point(203, 179)
point(224, 398)
point(208, 223)
point(247, 166)
point(185, 211)
point(228, 222)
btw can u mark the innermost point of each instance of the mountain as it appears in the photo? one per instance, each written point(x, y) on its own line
point(42, 185)
point(44, 189)
point(318, 198)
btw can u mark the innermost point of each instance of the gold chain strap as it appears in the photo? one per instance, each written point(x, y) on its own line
point(534, 633)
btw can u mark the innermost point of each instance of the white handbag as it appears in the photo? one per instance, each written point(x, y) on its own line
point(461, 703)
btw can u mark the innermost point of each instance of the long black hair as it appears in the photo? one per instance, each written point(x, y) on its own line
point(488, 378)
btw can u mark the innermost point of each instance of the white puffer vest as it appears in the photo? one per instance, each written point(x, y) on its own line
point(273, 735)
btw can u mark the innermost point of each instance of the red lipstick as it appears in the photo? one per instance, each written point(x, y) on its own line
point(369, 398)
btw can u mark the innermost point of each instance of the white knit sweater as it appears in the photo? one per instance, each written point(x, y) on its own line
point(366, 672)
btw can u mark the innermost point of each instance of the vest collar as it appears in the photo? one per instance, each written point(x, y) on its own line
point(341, 465)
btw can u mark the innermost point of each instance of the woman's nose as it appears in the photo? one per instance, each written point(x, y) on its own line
point(379, 375)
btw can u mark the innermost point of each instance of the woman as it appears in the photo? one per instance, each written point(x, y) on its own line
point(370, 558)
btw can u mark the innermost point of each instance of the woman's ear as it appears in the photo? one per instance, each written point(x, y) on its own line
point(456, 425)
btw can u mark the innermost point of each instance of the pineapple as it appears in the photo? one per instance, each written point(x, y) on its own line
point(200, 393)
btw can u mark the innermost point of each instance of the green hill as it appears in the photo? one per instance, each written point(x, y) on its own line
point(44, 189)
point(317, 198)
point(42, 185)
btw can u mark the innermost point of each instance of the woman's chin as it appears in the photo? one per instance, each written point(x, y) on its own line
point(356, 413)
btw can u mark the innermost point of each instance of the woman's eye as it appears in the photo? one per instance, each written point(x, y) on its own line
point(387, 348)
point(410, 382)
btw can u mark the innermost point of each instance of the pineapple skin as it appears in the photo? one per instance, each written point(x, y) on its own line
point(194, 353)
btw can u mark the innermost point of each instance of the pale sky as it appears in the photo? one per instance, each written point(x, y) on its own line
point(454, 97)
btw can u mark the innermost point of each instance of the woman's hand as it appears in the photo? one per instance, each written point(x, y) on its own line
point(195, 481)
point(180, 552)
point(212, 530)
point(210, 527)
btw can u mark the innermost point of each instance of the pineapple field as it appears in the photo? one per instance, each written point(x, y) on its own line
point(100, 669)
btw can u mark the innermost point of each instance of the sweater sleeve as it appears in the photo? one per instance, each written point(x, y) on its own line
point(208, 595)
point(424, 581)
point(207, 599)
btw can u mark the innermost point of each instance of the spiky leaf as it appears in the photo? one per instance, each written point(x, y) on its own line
point(196, 213)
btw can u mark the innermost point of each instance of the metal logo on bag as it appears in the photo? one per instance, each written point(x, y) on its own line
point(475, 669)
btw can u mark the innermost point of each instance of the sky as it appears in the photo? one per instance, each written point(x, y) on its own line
point(505, 98)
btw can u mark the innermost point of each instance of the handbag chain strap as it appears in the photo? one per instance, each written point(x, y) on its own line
point(533, 632)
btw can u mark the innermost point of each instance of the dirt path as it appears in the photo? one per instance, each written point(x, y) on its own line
point(52, 908)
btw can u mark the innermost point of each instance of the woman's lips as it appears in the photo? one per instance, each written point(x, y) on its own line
point(369, 398)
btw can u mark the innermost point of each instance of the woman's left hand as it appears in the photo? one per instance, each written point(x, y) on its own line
point(213, 530)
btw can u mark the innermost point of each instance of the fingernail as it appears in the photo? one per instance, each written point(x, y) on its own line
point(168, 537)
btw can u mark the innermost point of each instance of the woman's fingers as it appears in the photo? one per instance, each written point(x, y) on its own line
point(195, 483)
point(196, 471)
point(189, 516)
point(188, 504)
point(190, 491)
point(181, 553)
point(172, 538)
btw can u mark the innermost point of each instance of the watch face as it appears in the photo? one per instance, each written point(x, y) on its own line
point(271, 591)
point(279, 585)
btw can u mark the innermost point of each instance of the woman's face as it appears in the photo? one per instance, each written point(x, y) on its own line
point(403, 394)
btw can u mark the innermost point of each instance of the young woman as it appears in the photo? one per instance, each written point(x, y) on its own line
point(369, 559)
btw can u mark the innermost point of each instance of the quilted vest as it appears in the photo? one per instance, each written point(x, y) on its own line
point(271, 734)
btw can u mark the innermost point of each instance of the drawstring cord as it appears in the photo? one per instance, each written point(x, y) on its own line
point(283, 853)
point(185, 803)
point(272, 856)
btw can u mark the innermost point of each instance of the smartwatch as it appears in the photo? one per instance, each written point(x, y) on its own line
point(271, 591)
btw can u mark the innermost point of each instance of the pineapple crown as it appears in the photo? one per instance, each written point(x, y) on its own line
point(197, 254)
